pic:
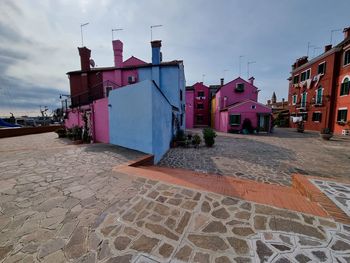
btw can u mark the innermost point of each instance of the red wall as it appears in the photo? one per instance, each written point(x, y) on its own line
point(327, 81)
point(200, 87)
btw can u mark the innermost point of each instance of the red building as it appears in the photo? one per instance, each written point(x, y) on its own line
point(314, 87)
point(197, 97)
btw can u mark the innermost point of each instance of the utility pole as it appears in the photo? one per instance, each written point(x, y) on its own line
point(152, 29)
point(115, 30)
point(81, 32)
point(248, 64)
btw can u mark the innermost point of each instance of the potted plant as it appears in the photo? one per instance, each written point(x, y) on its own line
point(326, 134)
point(196, 140)
point(61, 132)
point(209, 136)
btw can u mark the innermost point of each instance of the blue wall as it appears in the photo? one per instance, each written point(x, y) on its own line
point(171, 81)
point(130, 117)
point(162, 124)
point(140, 119)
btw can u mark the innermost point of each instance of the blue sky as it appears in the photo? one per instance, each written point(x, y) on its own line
point(39, 39)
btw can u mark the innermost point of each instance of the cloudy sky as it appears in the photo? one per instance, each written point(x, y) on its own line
point(39, 39)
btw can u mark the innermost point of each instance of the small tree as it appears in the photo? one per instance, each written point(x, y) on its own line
point(209, 136)
point(196, 140)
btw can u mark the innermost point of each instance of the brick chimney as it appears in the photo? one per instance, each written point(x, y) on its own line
point(327, 48)
point(156, 55)
point(251, 80)
point(84, 54)
point(118, 53)
point(222, 82)
point(346, 32)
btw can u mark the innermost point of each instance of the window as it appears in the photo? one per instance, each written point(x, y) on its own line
point(319, 93)
point(131, 79)
point(347, 57)
point(199, 118)
point(294, 99)
point(200, 94)
point(108, 89)
point(239, 87)
point(253, 107)
point(317, 116)
point(321, 68)
point(305, 75)
point(303, 100)
point(200, 106)
point(304, 116)
point(345, 87)
point(235, 119)
point(296, 79)
point(180, 95)
point(342, 115)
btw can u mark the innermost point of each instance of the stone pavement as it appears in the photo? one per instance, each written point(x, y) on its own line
point(63, 203)
point(266, 158)
point(338, 192)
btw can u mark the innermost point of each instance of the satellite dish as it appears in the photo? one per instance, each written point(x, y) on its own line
point(92, 63)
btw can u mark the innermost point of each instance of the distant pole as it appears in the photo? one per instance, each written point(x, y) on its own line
point(115, 30)
point(152, 29)
point(81, 32)
point(308, 48)
point(240, 57)
point(333, 31)
point(248, 64)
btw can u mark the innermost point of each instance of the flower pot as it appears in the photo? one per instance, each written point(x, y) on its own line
point(326, 136)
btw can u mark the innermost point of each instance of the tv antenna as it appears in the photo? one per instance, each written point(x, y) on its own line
point(223, 72)
point(315, 48)
point(248, 65)
point(203, 76)
point(81, 32)
point(240, 66)
point(152, 29)
point(333, 31)
point(115, 30)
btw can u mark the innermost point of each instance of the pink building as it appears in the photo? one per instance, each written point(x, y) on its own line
point(197, 106)
point(237, 109)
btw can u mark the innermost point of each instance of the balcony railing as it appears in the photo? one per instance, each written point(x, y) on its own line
point(96, 92)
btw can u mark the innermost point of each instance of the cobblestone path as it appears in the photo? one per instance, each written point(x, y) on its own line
point(63, 203)
point(266, 158)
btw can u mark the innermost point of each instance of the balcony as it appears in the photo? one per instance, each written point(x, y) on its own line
point(96, 92)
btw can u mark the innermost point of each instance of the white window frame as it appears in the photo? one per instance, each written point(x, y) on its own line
point(316, 91)
point(348, 77)
point(345, 51)
point(316, 112)
point(301, 101)
point(324, 62)
point(342, 108)
point(309, 69)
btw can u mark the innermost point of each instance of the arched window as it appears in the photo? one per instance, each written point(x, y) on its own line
point(345, 87)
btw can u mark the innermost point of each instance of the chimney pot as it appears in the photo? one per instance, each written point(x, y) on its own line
point(156, 54)
point(251, 80)
point(84, 54)
point(222, 81)
point(327, 48)
point(346, 32)
point(118, 53)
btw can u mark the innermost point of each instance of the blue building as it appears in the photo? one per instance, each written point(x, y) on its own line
point(146, 115)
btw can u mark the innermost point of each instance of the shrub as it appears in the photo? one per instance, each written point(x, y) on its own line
point(61, 132)
point(77, 133)
point(209, 135)
point(196, 140)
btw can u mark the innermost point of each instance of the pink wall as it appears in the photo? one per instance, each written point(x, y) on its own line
point(246, 112)
point(75, 118)
point(189, 108)
point(120, 77)
point(101, 120)
point(228, 90)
